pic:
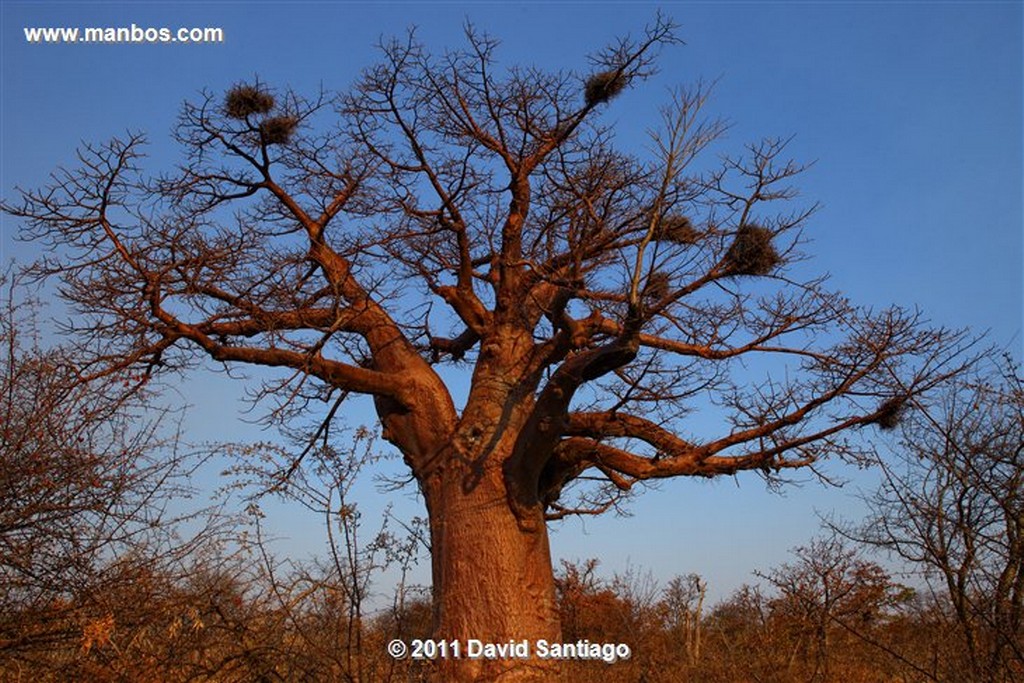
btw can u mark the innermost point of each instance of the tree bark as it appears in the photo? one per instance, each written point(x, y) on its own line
point(492, 574)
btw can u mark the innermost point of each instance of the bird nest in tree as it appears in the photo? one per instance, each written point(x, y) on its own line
point(890, 412)
point(246, 100)
point(752, 252)
point(603, 86)
point(277, 130)
point(676, 228)
point(658, 285)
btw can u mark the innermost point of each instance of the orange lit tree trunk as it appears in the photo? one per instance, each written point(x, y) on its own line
point(491, 562)
point(492, 577)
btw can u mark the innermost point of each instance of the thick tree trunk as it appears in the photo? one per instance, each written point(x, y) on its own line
point(493, 580)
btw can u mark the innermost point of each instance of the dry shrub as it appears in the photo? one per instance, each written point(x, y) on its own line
point(246, 100)
point(676, 228)
point(603, 86)
point(752, 252)
point(277, 130)
point(97, 632)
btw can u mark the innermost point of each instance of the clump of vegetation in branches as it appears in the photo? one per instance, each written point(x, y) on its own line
point(245, 100)
point(890, 412)
point(676, 228)
point(752, 252)
point(277, 130)
point(658, 285)
point(603, 86)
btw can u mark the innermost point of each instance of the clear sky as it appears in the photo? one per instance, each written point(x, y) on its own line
point(911, 111)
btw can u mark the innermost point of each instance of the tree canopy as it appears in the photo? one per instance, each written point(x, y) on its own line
point(448, 211)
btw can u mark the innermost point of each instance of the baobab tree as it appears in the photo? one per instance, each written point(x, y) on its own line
point(446, 212)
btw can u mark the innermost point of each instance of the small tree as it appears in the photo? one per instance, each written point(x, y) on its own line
point(830, 594)
point(684, 601)
point(744, 642)
point(952, 506)
point(451, 213)
point(93, 491)
point(323, 606)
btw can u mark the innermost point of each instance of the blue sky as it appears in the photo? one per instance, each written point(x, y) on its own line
point(910, 111)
